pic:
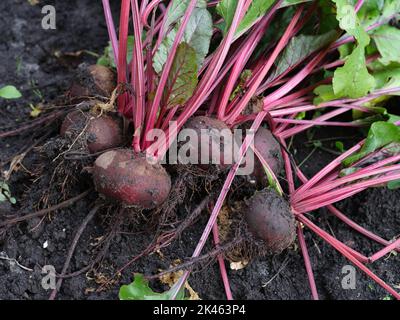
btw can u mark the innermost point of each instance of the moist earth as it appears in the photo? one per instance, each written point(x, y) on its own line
point(35, 61)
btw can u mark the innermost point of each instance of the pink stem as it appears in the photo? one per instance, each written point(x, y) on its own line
point(205, 83)
point(307, 262)
point(358, 5)
point(357, 263)
point(167, 67)
point(221, 263)
point(342, 193)
point(347, 220)
point(394, 245)
point(318, 123)
point(111, 29)
point(242, 59)
point(122, 52)
point(295, 130)
point(257, 81)
point(376, 168)
point(139, 76)
point(153, 4)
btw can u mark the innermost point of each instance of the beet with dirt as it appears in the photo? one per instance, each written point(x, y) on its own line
point(100, 132)
point(92, 80)
point(270, 219)
point(129, 177)
point(270, 150)
point(217, 136)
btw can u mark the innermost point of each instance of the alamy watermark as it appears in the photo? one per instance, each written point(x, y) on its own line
point(49, 277)
point(203, 147)
point(49, 18)
point(349, 278)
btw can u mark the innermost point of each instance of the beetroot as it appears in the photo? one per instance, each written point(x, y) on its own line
point(100, 133)
point(211, 131)
point(270, 219)
point(128, 177)
point(270, 150)
point(93, 80)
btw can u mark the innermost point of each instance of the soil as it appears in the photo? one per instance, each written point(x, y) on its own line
point(33, 61)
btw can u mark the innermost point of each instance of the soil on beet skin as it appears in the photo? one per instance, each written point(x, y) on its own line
point(33, 60)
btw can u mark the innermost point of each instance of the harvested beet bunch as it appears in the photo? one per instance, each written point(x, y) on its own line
point(129, 177)
point(213, 66)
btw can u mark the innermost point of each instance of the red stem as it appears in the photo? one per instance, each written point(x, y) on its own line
point(221, 263)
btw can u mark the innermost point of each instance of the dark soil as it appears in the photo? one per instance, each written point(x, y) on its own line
point(31, 62)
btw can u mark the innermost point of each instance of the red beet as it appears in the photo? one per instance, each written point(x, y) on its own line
point(101, 133)
point(93, 80)
point(128, 177)
point(270, 150)
point(209, 131)
point(270, 219)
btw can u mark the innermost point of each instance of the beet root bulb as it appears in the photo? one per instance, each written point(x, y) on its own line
point(270, 219)
point(93, 80)
point(130, 178)
point(214, 143)
point(99, 133)
point(270, 150)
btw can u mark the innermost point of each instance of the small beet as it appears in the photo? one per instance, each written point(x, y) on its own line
point(129, 177)
point(270, 219)
point(101, 133)
point(270, 150)
point(93, 80)
point(211, 131)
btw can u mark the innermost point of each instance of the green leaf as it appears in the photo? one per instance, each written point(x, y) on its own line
point(197, 34)
point(387, 39)
point(139, 290)
point(375, 11)
point(340, 146)
point(353, 80)
point(387, 79)
point(5, 193)
point(10, 92)
point(287, 3)
point(182, 79)
point(108, 60)
point(380, 134)
point(299, 48)
point(178, 9)
point(256, 10)
point(392, 185)
point(324, 93)
point(226, 9)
